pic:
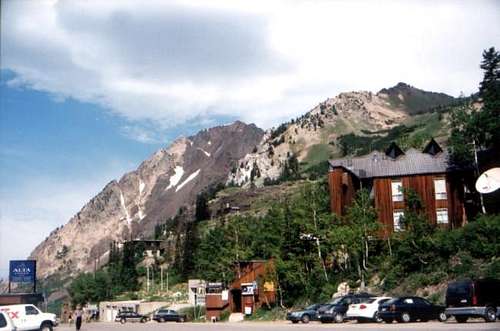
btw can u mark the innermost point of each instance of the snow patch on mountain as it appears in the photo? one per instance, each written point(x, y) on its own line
point(204, 151)
point(178, 173)
point(190, 178)
point(122, 202)
point(141, 187)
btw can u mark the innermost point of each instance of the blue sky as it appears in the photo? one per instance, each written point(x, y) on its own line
point(90, 88)
point(54, 156)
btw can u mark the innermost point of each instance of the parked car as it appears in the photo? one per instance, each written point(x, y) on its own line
point(305, 315)
point(469, 298)
point(29, 317)
point(130, 316)
point(6, 323)
point(366, 311)
point(408, 309)
point(166, 315)
point(335, 310)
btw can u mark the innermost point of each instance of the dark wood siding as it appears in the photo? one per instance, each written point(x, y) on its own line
point(424, 187)
point(335, 185)
point(456, 212)
point(383, 203)
point(343, 186)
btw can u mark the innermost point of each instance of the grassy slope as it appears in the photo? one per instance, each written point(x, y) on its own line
point(423, 127)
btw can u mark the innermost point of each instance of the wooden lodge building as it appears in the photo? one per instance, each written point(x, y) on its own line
point(428, 172)
point(250, 290)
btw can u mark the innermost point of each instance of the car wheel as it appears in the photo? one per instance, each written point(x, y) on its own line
point(123, 321)
point(442, 317)
point(305, 319)
point(295, 322)
point(388, 320)
point(339, 318)
point(490, 315)
point(376, 318)
point(161, 320)
point(181, 320)
point(143, 320)
point(46, 327)
point(461, 319)
point(405, 317)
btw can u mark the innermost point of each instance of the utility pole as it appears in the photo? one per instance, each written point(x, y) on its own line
point(483, 209)
point(147, 279)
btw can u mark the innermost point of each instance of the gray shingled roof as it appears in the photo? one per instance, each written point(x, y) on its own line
point(377, 164)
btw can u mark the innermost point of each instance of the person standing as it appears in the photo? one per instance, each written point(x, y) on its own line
point(78, 317)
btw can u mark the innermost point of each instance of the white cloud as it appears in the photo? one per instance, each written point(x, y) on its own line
point(176, 61)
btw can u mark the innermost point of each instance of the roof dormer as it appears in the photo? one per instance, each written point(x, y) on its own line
point(393, 151)
point(432, 148)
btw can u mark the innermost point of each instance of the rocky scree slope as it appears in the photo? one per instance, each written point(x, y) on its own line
point(132, 206)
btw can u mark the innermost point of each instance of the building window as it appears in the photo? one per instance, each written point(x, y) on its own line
point(398, 216)
point(397, 190)
point(442, 216)
point(440, 188)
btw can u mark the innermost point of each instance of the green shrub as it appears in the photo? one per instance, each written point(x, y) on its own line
point(224, 316)
point(493, 269)
point(266, 314)
point(481, 238)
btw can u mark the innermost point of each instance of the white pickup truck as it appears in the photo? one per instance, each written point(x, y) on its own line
point(29, 317)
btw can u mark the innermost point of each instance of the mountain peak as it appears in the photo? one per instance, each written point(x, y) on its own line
point(413, 100)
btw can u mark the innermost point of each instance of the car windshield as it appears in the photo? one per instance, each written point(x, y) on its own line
point(336, 301)
point(392, 301)
point(311, 307)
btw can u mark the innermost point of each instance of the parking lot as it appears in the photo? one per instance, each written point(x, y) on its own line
point(279, 326)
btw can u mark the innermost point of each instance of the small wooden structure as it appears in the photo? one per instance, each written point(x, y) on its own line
point(216, 300)
point(429, 173)
point(253, 287)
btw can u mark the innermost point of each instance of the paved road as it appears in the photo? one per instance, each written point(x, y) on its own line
point(283, 326)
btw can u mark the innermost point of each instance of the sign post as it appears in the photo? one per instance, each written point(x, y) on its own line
point(22, 271)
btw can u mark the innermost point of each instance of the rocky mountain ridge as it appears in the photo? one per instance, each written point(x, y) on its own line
point(318, 129)
point(235, 154)
point(131, 207)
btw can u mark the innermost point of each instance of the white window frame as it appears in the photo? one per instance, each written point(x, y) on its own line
point(440, 192)
point(398, 227)
point(442, 216)
point(397, 196)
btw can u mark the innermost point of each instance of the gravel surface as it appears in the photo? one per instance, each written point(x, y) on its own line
point(279, 326)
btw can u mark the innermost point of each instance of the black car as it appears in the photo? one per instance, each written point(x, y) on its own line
point(469, 298)
point(130, 316)
point(409, 309)
point(335, 310)
point(168, 315)
point(305, 315)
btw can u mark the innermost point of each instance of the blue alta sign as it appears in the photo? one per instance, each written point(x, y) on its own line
point(22, 271)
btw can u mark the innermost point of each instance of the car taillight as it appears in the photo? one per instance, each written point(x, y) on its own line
point(393, 308)
point(362, 307)
point(474, 297)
